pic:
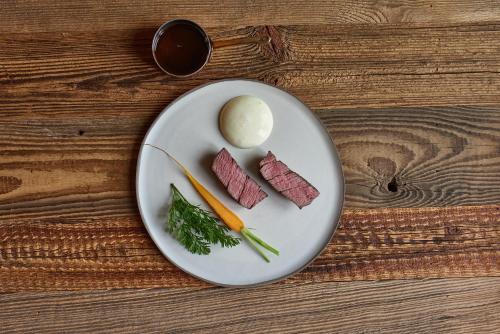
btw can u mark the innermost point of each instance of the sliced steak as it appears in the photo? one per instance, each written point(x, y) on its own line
point(238, 184)
point(287, 182)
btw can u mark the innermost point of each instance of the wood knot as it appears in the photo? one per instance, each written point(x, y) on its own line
point(9, 183)
point(393, 185)
point(277, 48)
point(452, 231)
point(385, 169)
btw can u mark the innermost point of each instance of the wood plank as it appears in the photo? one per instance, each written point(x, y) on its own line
point(93, 15)
point(327, 66)
point(418, 156)
point(84, 167)
point(75, 254)
point(413, 306)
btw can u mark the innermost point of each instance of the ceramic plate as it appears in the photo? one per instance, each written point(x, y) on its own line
point(188, 129)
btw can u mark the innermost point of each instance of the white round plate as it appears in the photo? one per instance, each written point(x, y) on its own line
point(188, 129)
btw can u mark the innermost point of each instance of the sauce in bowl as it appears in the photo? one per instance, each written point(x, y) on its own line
point(181, 48)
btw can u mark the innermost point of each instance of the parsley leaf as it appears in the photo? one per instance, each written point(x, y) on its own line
point(196, 228)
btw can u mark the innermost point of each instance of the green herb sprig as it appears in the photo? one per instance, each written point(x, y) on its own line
point(196, 228)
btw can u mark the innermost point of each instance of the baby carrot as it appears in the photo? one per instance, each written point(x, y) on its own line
point(227, 216)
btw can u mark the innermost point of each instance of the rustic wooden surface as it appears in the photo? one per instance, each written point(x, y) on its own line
point(369, 245)
point(425, 306)
point(409, 90)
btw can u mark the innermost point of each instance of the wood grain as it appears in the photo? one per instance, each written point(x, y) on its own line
point(369, 245)
point(88, 15)
point(327, 66)
point(84, 167)
point(437, 306)
point(409, 90)
point(418, 156)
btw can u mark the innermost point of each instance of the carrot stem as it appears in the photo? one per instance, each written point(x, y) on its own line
point(255, 246)
point(246, 232)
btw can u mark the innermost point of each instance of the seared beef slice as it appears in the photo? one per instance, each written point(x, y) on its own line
point(238, 184)
point(287, 182)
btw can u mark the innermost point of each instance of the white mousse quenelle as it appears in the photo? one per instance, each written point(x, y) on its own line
point(246, 121)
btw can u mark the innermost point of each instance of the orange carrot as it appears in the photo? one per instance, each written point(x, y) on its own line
point(227, 216)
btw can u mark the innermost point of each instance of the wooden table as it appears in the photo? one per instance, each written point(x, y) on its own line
point(410, 91)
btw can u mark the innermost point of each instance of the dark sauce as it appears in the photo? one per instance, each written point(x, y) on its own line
point(182, 48)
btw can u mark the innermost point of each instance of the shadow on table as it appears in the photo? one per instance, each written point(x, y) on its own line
point(141, 43)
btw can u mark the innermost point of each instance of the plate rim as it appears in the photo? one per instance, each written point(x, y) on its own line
point(252, 285)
